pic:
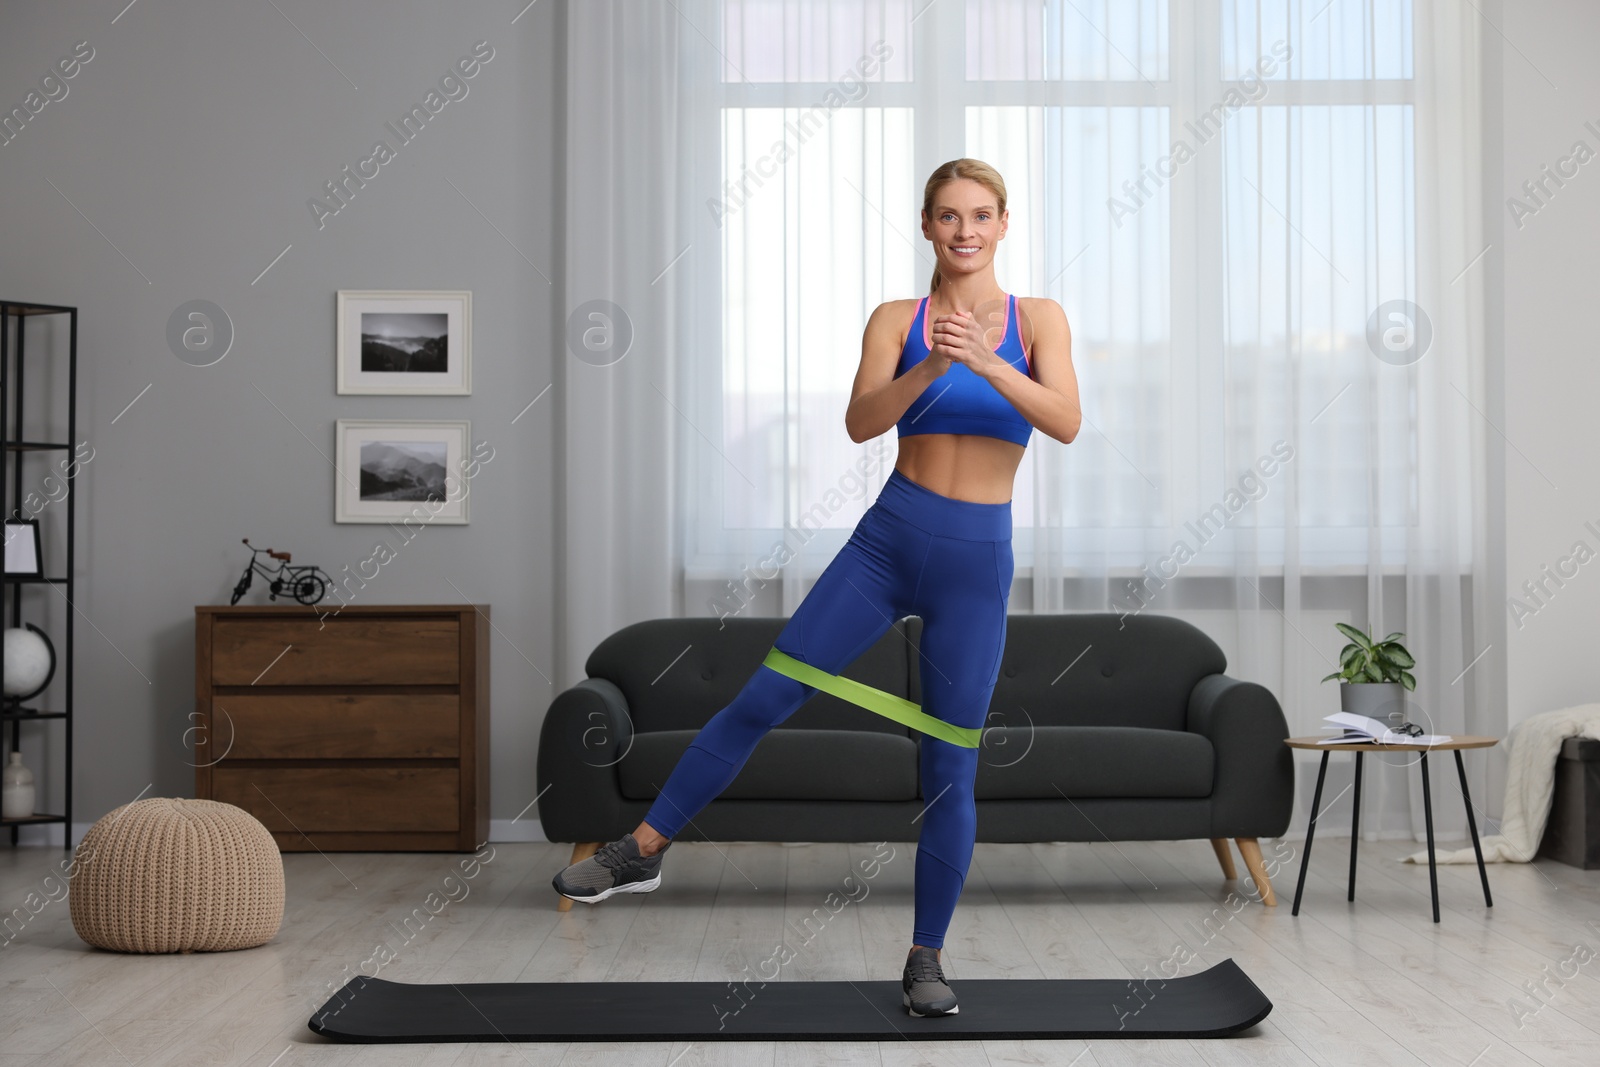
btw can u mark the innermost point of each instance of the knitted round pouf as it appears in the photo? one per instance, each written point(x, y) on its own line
point(169, 874)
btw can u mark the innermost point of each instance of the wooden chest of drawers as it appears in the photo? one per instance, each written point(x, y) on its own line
point(354, 728)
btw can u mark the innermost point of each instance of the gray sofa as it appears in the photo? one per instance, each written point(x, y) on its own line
point(1101, 727)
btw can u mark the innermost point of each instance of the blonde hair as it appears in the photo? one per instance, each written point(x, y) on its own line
point(975, 169)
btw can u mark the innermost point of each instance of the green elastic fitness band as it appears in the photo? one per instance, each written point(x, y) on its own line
point(888, 705)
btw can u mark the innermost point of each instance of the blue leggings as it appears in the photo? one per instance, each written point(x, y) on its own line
point(914, 552)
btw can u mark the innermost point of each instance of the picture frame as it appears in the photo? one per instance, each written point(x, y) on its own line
point(402, 470)
point(403, 342)
point(24, 558)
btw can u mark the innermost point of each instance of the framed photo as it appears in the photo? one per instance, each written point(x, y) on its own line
point(401, 469)
point(404, 342)
point(22, 549)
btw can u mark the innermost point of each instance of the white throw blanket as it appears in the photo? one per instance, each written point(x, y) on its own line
point(1533, 747)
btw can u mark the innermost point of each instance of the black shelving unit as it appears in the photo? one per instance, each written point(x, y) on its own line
point(13, 381)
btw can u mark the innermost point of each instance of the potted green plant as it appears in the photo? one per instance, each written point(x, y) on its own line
point(1374, 674)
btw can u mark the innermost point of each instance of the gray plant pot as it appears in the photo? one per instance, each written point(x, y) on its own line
point(1384, 701)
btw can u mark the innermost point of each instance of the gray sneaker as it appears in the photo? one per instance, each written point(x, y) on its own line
point(616, 868)
point(924, 989)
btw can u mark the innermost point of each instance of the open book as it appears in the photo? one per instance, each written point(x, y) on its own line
point(1361, 730)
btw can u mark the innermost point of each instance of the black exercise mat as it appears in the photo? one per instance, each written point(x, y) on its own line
point(1214, 1003)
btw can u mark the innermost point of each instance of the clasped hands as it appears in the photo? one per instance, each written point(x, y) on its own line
point(962, 338)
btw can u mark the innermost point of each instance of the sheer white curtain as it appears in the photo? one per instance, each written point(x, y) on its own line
point(629, 338)
point(1226, 196)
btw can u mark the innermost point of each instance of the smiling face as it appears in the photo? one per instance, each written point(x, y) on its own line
point(965, 227)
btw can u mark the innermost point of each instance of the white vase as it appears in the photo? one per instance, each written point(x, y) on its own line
point(1384, 701)
point(16, 790)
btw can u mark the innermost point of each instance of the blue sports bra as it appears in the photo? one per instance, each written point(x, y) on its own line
point(959, 401)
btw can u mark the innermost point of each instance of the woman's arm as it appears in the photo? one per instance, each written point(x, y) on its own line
point(878, 398)
point(1049, 399)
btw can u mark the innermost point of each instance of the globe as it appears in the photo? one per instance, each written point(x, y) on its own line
point(28, 661)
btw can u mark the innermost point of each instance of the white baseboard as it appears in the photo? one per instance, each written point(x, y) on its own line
point(49, 835)
point(519, 829)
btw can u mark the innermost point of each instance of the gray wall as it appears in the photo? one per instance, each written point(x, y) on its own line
point(177, 167)
point(1550, 272)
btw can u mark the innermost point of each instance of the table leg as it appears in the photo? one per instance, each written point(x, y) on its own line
point(1427, 818)
point(1355, 825)
point(1311, 829)
point(1472, 825)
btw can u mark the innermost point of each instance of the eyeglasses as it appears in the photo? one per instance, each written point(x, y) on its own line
point(1410, 729)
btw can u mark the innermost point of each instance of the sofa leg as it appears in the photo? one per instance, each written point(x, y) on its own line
point(1224, 857)
point(1258, 870)
point(580, 851)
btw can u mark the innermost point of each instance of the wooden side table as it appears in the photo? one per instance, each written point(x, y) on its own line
point(1455, 744)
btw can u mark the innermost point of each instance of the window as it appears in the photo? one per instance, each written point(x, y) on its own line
point(1217, 192)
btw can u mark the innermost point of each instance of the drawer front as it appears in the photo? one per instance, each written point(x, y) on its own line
point(348, 650)
point(335, 726)
point(313, 799)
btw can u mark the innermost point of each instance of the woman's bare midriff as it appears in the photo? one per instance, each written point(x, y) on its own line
point(962, 466)
point(958, 465)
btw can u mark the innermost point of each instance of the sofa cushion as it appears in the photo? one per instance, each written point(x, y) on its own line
point(1101, 669)
point(677, 673)
point(788, 765)
point(1026, 763)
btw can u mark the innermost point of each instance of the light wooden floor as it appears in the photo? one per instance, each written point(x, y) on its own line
point(1372, 982)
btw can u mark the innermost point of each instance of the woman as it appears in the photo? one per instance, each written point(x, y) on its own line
point(936, 543)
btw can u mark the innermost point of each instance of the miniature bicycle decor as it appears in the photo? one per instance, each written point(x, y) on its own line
point(306, 584)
